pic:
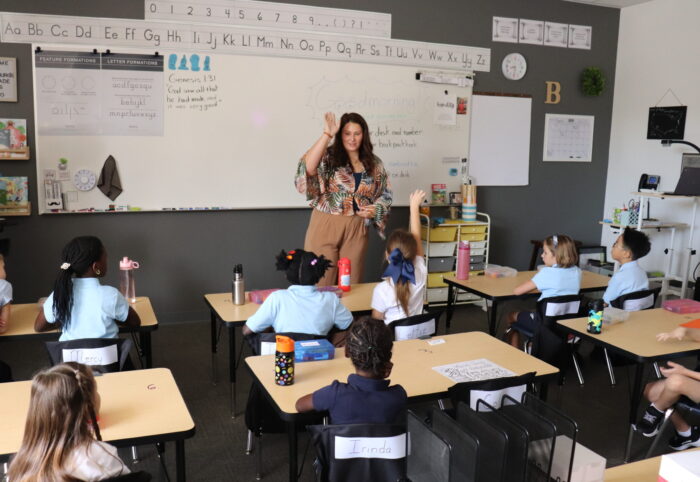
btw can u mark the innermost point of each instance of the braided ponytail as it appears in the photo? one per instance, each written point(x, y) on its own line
point(369, 346)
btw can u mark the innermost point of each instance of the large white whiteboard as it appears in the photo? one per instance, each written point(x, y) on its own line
point(241, 151)
point(500, 140)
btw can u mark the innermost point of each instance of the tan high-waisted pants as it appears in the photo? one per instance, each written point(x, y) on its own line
point(335, 237)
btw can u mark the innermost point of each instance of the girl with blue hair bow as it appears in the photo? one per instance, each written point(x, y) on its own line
point(402, 292)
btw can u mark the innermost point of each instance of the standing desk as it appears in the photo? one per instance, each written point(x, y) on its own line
point(413, 369)
point(138, 407)
point(643, 471)
point(223, 311)
point(501, 289)
point(22, 325)
point(635, 339)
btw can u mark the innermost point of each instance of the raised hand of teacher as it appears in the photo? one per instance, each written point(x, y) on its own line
point(331, 125)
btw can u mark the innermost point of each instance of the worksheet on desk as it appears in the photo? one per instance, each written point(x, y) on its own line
point(473, 370)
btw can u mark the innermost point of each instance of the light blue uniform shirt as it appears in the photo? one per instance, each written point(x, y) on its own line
point(556, 281)
point(95, 309)
point(628, 279)
point(5, 292)
point(300, 309)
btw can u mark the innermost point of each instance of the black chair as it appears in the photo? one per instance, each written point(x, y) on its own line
point(429, 455)
point(375, 452)
point(548, 342)
point(635, 301)
point(689, 412)
point(103, 355)
point(416, 326)
point(139, 476)
point(260, 416)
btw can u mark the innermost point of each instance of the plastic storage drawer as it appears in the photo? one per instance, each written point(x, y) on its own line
point(472, 237)
point(441, 233)
point(477, 245)
point(435, 279)
point(476, 259)
point(478, 251)
point(477, 229)
point(441, 264)
point(439, 249)
point(476, 267)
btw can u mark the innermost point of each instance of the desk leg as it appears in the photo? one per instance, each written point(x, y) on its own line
point(544, 388)
point(232, 365)
point(634, 405)
point(492, 314)
point(450, 307)
point(214, 373)
point(145, 338)
point(292, 435)
point(180, 461)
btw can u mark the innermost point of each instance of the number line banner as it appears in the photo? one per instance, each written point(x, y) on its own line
point(54, 29)
point(273, 15)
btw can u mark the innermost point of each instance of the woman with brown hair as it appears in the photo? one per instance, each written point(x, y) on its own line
point(348, 189)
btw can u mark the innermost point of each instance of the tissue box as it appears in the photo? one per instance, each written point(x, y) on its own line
point(681, 467)
point(681, 306)
point(313, 350)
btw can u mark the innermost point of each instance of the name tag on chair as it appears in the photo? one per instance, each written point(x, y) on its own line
point(268, 347)
point(370, 447)
point(495, 397)
point(102, 356)
point(639, 304)
point(411, 332)
point(559, 309)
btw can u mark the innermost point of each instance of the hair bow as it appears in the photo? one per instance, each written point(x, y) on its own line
point(399, 268)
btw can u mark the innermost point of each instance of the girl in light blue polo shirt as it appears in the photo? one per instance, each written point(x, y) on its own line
point(301, 308)
point(560, 276)
point(79, 304)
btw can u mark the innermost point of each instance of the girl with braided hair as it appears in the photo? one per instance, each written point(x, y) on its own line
point(62, 440)
point(367, 396)
point(79, 304)
point(301, 308)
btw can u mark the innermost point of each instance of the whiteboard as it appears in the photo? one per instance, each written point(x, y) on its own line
point(237, 147)
point(500, 140)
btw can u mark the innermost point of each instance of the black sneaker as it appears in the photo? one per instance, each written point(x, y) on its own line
point(679, 442)
point(650, 422)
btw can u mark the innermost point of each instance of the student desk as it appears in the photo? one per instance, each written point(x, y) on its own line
point(138, 407)
point(501, 289)
point(413, 369)
point(22, 325)
point(635, 338)
point(643, 471)
point(223, 310)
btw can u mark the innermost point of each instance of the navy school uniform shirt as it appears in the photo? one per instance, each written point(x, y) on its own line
point(361, 400)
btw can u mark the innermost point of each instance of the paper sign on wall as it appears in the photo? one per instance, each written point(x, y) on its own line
point(8, 79)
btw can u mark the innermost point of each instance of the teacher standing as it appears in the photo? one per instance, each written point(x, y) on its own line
point(348, 189)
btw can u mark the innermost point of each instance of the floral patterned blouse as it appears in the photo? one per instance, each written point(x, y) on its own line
point(337, 195)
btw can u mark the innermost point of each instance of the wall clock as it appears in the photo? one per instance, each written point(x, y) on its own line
point(84, 180)
point(514, 66)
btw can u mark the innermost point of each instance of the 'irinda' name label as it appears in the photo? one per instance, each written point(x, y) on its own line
point(370, 447)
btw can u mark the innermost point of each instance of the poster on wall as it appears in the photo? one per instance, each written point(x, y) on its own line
point(580, 37)
point(8, 79)
point(531, 31)
point(568, 138)
point(556, 34)
point(505, 29)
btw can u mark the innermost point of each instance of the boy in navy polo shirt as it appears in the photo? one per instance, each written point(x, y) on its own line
point(367, 396)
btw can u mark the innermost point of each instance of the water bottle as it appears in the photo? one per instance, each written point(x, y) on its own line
point(595, 317)
point(284, 361)
point(127, 285)
point(463, 260)
point(237, 287)
point(344, 274)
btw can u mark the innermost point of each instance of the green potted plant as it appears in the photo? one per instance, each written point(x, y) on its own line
point(592, 81)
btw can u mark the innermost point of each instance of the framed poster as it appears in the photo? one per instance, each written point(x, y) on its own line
point(8, 79)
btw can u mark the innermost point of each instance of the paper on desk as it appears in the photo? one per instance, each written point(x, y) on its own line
point(473, 370)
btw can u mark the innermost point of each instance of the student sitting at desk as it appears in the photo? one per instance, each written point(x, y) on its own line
point(61, 436)
point(627, 249)
point(301, 308)
point(402, 292)
point(367, 396)
point(560, 276)
point(79, 304)
point(662, 394)
point(5, 303)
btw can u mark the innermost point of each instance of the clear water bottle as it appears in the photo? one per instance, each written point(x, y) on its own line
point(127, 285)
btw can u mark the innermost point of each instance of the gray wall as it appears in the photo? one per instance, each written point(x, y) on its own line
point(185, 255)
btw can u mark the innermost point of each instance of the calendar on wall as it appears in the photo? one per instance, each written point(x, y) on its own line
point(568, 138)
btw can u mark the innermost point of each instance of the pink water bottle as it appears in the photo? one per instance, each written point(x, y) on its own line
point(127, 285)
point(463, 260)
point(344, 274)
